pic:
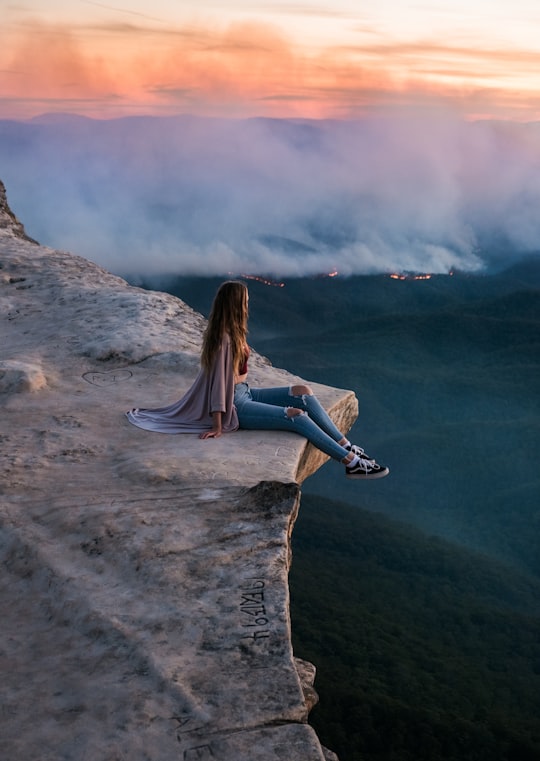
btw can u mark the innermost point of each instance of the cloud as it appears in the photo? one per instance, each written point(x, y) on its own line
point(48, 64)
point(249, 69)
point(127, 11)
point(279, 197)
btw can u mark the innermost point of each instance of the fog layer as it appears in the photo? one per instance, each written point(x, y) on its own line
point(280, 197)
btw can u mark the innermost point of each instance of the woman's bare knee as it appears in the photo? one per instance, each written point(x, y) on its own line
point(294, 412)
point(301, 390)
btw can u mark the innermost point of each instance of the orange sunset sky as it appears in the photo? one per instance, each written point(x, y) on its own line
point(297, 58)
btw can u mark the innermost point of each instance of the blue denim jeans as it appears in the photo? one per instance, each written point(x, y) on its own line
point(266, 409)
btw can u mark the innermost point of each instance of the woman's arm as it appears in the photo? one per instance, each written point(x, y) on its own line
point(221, 384)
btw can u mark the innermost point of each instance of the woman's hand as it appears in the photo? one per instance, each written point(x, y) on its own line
point(215, 433)
point(216, 430)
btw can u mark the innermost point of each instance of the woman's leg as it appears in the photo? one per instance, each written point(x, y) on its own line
point(300, 397)
point(278, 409)
point(264, 415)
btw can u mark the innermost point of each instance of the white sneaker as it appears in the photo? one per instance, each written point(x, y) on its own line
point(355, 449)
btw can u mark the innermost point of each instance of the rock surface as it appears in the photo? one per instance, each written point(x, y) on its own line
point(144, 577)
point(8, 221)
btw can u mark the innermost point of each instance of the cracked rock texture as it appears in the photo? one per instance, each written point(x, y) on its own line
point(144, 577)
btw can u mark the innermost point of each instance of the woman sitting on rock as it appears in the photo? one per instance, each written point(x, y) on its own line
point(220, 399)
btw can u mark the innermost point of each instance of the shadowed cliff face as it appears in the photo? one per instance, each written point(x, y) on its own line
point(144, 577)
point(8, 220)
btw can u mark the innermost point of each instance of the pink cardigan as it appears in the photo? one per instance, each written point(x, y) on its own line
point(210, 392)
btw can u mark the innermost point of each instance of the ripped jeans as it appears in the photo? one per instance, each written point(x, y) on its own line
point(266, 409)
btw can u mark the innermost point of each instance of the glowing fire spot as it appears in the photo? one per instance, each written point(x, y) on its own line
point(400, 276)
point(263, 280)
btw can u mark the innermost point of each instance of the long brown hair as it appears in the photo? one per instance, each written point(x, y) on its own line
point(229, 314)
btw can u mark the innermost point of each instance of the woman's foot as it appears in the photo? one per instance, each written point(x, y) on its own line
point(366, 469)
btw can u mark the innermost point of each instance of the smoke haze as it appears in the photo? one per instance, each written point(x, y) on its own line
point(279, 197)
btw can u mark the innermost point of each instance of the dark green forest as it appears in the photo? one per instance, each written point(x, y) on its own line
point(418, 596)
point(423, 651)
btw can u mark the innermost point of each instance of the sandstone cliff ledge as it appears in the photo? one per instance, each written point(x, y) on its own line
point(144, 577)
